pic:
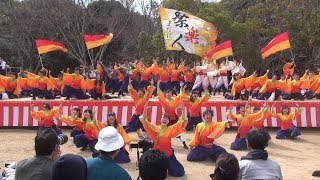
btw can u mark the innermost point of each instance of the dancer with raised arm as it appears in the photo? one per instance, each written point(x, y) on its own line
point(244, 120)
point(74, 120)
point(206, 132)
point(139, 97)
point(288, 130)
point(45, 117)
point(170, 105)
point(123, 155)
point(162, 134)
point(91, 132)
point(194, 105)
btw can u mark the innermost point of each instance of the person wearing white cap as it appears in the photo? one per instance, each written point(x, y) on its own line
point(102, 167)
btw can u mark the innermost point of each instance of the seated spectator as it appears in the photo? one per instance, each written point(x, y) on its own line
point(103, 167)
point(69, 167)
point(47, 149)
point(256, 165)
point(227, 168)
point(153, 165)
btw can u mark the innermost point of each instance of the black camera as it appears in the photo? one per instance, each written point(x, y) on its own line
point(145, 145)
point(62, 139)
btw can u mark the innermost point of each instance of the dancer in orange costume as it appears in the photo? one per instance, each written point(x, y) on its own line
point(139, 99)
point(170, 105)
point(91, 132)
point(10, 84)
point(162, 134)
point(194, 105)
point(288, 130)
point(123, 155)
point(244, 121)
point(202, 142)
point(74, 120)
point(74, 85)
point(45, 117)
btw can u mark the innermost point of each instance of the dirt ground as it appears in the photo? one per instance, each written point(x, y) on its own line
point(298, 158)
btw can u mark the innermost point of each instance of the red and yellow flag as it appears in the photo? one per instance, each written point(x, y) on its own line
point(222, 50)
point(279, 43)
point(97, 40)
point(45, 46)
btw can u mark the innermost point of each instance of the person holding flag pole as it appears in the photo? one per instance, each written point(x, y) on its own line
point(93, 41)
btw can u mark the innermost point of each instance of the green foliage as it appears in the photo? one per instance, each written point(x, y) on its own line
point(145, 46)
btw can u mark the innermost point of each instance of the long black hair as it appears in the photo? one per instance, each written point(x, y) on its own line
point(78, 112)
point(227, 168)
point(194, 92)
point(115, 124)
point(46, 106)
point(90, 112)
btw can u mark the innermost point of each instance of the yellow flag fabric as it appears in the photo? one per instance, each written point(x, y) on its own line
point(183, 31)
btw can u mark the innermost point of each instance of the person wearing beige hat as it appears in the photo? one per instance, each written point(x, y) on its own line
point(103, 167)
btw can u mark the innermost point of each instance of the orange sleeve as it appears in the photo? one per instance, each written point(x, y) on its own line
point(305, 83)
point(38, 115)
point(263, 79)
point(83, 83)
point(17, 89)
point(218, 130)
point(67, 120)
point(181, 67)
point(289, 87)
point(248, 82)
point(162, 98)
point(101, 125)
point(133, 93)
point(90, 84)
point(231, 116)
point(204, 99)
point(155, 69)
point(257, 115)
point(53, 80)
point(150, 128)
point(178, 99)
point(276, 115)
point(22, 82)
point(33, 82)
point(297, 112)
point(305, 76)
point(178, 128)
point(125, 136)
point(314, 86)
point(264, 88)
point(56, 112)
point(149, 93)
point(286, 68)
point(5, 80)
point(29, 74)
point(68, 78)
point(50, 85)
point(195, 139)
point(233, 89)
point(121, 76)
point(104, 91)
point(267, 113)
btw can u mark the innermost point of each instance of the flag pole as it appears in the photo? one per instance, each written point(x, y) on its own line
point(91, 52)
point(90, 56)
point(292, 55)
point(41, 61)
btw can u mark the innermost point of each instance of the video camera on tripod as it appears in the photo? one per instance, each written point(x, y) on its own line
point(143, 144)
